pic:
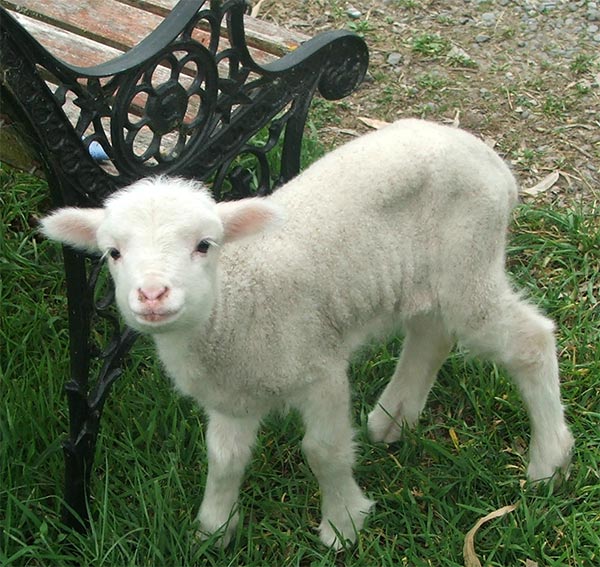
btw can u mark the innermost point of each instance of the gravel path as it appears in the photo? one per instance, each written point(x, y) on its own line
point(524, 75)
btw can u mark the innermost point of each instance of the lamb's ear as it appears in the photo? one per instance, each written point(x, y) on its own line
point(248, 216)
point(75, 227)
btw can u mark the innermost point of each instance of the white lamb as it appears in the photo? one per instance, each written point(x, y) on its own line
point(401, 229)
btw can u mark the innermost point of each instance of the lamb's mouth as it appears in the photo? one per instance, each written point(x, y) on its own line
point(156, 318)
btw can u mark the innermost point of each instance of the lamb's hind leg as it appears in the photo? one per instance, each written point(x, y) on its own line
point(426, 346)
point(329, 448)
point(517, 336)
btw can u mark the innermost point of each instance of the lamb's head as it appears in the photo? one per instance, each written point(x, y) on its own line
point(161, 237)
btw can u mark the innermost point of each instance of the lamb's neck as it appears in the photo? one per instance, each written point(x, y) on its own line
point(207, 338)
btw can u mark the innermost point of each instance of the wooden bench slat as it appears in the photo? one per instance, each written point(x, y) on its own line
point(72, 49)
point(109, 22)
point(68, 41)
point(121, 25)
point(261, 35)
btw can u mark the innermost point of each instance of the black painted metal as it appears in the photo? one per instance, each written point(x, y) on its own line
point(138, 108)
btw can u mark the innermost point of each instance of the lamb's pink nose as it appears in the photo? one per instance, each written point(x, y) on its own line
point(152, 295)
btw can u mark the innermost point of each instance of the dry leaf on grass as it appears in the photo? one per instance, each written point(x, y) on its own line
point(469, 555)
point(543, 185)
point(373, 122)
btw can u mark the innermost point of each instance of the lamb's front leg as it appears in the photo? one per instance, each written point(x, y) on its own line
point(229, 446)
point(329, 448)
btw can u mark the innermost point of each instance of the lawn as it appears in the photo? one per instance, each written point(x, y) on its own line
point(465, 459)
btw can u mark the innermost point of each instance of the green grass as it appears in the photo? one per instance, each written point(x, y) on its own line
point(430, 44)
point(555, 107)
point(582, 63)
point(432, 82)
point(465, 458)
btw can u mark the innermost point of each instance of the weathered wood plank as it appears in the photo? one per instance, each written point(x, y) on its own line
point(74, 49)
point(63, 42)
point(261, 35)
point(97, 20)
point(109, 22)
point(67, 46)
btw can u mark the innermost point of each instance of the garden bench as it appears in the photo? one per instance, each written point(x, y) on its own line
point(97, 94)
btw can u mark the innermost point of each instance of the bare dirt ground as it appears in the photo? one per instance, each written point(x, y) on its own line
point(523, 75)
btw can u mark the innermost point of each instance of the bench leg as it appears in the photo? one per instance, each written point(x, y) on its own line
point(86, 403)
point(79, 447)
point(79, 459)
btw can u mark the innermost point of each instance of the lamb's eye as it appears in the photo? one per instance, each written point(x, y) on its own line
point(114, 253)
point(203, 246)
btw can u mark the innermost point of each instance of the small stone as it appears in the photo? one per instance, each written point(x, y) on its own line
point(593, 16)
point(482, 38)
point(394, 58)
point(368, 78)
point(353, 12)
point(460, 55)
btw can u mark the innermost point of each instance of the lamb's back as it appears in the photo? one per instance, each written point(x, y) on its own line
point(405, 166)
point(392, 204)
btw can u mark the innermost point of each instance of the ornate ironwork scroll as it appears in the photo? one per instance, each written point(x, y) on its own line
point(174, 104)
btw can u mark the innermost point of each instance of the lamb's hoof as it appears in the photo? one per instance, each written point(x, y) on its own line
point(385, 427)
point(222, 538)
point(341, 529)
point(221, 532)
point(552, 463)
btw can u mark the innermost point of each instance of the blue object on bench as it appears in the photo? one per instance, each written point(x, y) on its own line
point(97, 151)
